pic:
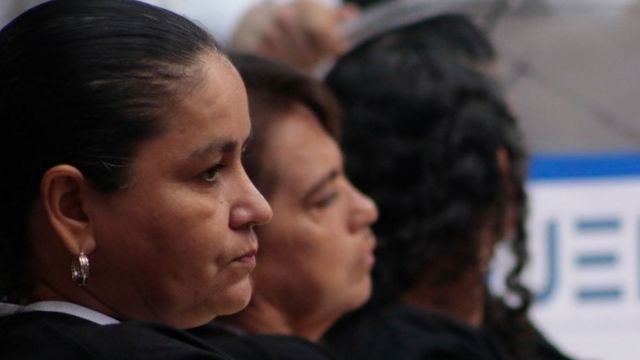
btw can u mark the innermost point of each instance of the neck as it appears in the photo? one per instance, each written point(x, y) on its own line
point(461, 299)
point(263, 317)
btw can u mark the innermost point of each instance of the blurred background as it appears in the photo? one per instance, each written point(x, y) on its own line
point(570, 69)
point(570, 72)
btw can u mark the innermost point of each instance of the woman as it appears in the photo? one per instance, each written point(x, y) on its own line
point(129, 202)
point(438, 150)
point(316, 254)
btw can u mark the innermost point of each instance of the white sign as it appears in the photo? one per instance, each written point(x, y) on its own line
point(584, 241)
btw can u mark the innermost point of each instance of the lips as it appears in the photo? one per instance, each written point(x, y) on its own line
point(247, 254)
point(248, 259)
point(370, 258)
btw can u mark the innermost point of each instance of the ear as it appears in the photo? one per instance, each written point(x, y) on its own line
point(65, 192)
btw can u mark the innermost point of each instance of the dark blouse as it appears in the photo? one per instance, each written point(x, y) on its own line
point(545, 350)
point(256, 346)
point(52, 335)
point(405, 333)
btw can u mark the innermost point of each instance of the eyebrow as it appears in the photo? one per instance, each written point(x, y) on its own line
point(217, 146)
point(332, 175)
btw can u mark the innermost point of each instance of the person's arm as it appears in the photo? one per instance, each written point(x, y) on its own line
point(300, 32)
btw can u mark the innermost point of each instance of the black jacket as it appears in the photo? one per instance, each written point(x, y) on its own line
point(256, 346)
point(51, 335)
point(402, 332)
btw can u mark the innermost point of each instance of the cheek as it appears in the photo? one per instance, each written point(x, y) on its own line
point(289, 247)
point(343, 253)
point(342, 260)
point(336, 271)
point(328, 255)
point(180, 236)
point(336, 241)
point(194, 233)
point(194, 248)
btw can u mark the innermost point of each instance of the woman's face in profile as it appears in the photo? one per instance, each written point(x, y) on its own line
point(177, 245)
point(317, 253)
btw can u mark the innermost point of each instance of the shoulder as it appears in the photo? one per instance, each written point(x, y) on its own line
point(544, 349)
point(404, 332)
point(256, 346)
point(274, 347)
point(37, 335)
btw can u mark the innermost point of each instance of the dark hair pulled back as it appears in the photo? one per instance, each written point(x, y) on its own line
point(84, 83)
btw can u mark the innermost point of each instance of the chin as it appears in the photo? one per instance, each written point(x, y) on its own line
point(359, 295)
point(235, 298)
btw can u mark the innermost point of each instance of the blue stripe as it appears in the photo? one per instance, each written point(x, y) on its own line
point(605, 293)
point(576, 166)
point(588, 260)
point(602, 224)
point(552, 263)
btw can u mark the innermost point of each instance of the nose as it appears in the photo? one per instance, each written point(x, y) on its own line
point(365, 211)
point(251, 208)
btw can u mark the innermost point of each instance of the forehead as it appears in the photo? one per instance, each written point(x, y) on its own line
point(215, 109)
point(299, 151)
point(217, 91)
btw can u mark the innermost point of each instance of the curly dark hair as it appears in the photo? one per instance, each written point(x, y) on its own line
point(421, 132)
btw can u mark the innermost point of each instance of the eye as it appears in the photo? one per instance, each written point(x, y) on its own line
point(211, 174)
point(325, 200)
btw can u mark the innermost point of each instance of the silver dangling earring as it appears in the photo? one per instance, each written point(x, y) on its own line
point(80, 270)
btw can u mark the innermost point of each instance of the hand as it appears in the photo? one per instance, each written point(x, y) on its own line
point(302, 33)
